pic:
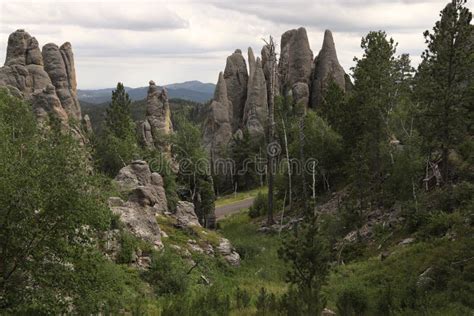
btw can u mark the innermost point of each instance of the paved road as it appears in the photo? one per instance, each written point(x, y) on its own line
point(224, 210)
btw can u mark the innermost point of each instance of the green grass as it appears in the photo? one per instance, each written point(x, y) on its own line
point(232, 198)
point(260, 265)
point(448, 292)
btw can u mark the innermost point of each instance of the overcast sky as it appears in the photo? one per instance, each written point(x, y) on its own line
point(174, 41)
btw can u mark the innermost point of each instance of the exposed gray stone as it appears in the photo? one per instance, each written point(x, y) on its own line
point(57, 63)
point(158, 117)
point(326, 68)
point(236, 78)
point(16, 49)
point(256, 106)
point(228, 252)
point(185, 214)
point(217, 126)
point(296, 59)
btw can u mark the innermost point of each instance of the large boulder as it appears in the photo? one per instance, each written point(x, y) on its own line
point(146, 199)
point(185, 214)
point(236, 78)
point(326, 68)
point(296, 59)
point(217, 126)
point(228, 252)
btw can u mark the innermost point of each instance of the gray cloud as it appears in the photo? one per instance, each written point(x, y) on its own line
point(190, 39)
point(101, 15)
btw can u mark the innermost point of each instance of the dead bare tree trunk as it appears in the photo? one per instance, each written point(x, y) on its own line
point(271, 131)
point(288, 164)
point(302, 157)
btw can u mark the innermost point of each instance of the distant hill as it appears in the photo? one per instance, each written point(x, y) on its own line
point(96, 111)
point(195, 91)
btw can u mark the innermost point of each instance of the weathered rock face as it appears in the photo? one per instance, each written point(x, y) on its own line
point(296, 59)
point(326, 68)
point(228, 252)
point(236, 78)
point(47, 79)
point(59, 65)
point(256, 106)
point(157, 121)
point(217, 127)
point(185, 214)
point(146, 199)
point(46, 102)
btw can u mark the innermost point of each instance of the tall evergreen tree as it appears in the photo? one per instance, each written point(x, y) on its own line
point(445, 85)
point(372, 100)
point(117, 144)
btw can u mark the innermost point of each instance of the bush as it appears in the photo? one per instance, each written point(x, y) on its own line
point(242, 298)
point(259, 207)
point(128, 244)
point(167, 274)
point(352, 301)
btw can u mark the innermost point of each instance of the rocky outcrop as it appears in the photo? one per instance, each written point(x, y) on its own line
point(236, 79)
point(59, 65)
point(228, 252)
point(146, 199)
point(45, 103)
point(297, 75)
point(326, 68)
point(43, 77)
point(296, 59)
point(185, 214)
point(157, 123)
point(256, 106)
point(217, 126)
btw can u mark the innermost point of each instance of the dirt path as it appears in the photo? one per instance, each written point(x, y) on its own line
point(224, 210)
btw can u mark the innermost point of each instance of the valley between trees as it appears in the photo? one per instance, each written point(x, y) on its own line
point(361, 184)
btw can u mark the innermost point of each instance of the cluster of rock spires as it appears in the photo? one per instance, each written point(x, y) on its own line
point(45, 77)
point(241, 97)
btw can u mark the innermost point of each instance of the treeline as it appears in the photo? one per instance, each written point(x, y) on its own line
point(399, 138)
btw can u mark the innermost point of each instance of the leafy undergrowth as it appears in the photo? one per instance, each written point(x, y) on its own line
point(431, 277)
point(232, 198)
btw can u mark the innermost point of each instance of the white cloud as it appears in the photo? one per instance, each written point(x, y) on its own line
point(170, 41)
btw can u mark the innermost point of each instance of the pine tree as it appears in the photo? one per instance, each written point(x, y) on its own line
point(117, 144)
point(372, 100)
point(445, 83)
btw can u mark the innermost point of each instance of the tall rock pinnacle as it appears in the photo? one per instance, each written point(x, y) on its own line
point(296, 59)
point(157, 123)
point(217, 126)
point(59, 64)
point(326, 68)
point(256, 106)
point(236, 79)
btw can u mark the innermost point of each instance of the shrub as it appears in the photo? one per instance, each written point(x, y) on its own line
point(167, 274)
point(259, 206)
point(242, 298)
point(352, 301)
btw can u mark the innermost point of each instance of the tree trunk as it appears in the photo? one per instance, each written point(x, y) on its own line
point(271, 131)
